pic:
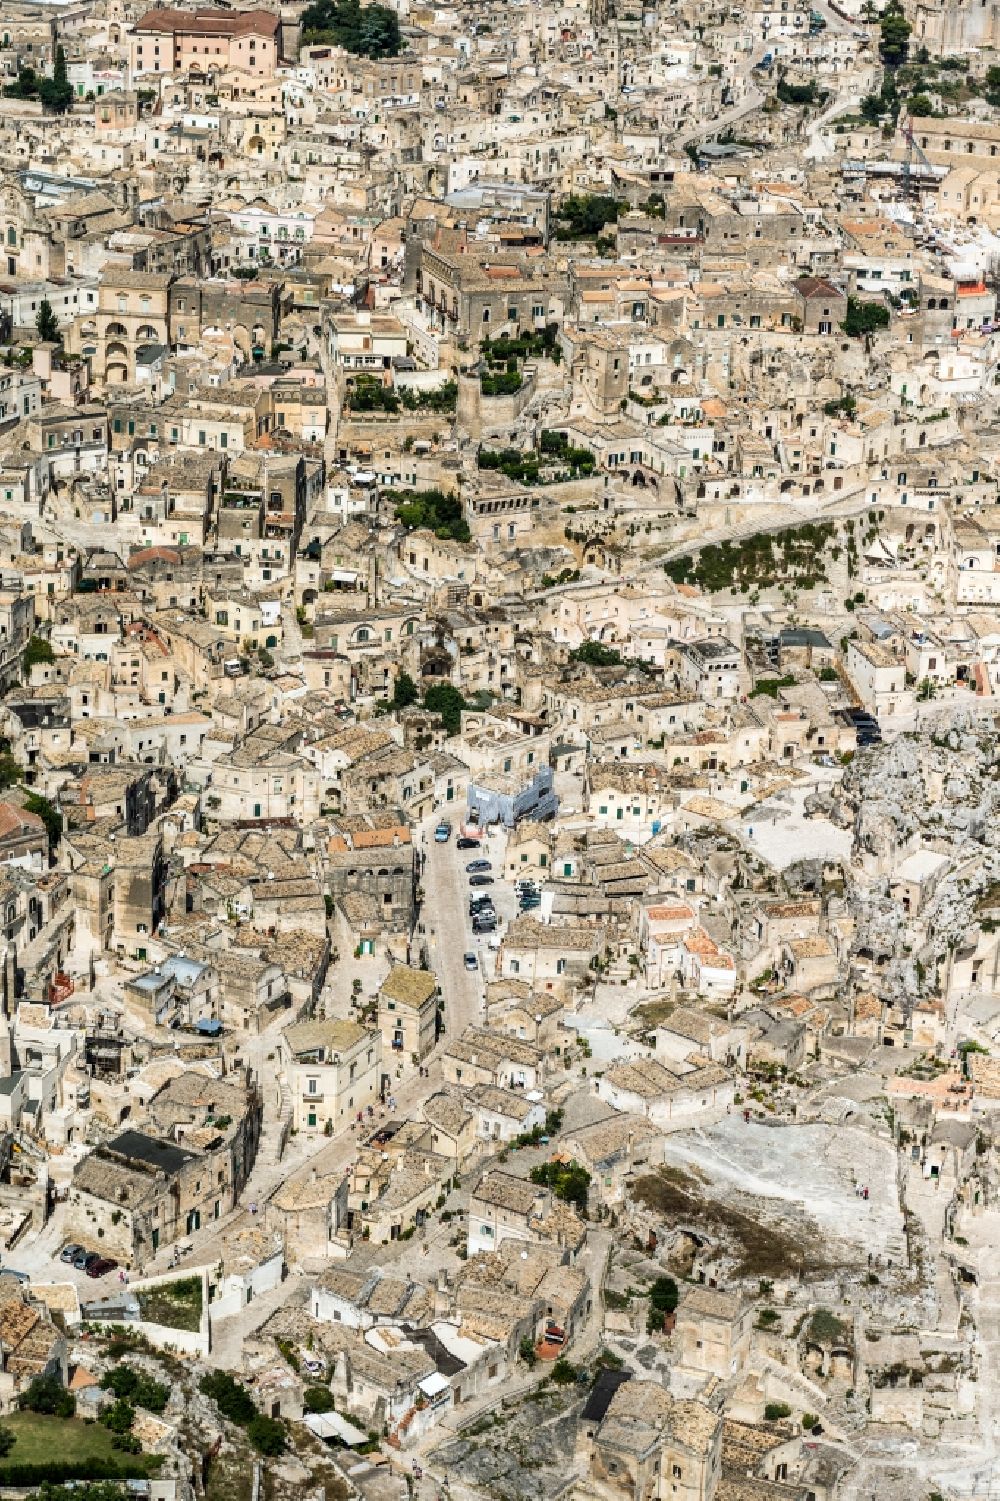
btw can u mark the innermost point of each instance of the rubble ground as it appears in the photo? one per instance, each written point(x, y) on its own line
point(518, 1455)
point(795, 1182)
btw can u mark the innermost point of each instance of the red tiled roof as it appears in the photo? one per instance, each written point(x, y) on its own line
point(210, 22)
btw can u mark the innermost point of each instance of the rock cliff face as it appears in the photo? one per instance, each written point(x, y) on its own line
point(939, 792)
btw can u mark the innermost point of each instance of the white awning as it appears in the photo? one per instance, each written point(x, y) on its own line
point(332, 1425)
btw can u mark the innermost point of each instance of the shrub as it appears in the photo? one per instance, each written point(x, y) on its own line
point(60, 1472)
point(230, 1396)
point(775, 1411)
point(596, 654)
point(266, 1434)
point(135, 1386)
point(318, 1399)
point(37, 650)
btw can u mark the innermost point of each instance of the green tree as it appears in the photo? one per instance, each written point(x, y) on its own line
point(864, 317)
point(440, 513)
point(568, 1181)
point(583, 216)
point(25, 85)
point(796, 93)
point(38, 649)
point(526, 1350)
point(47, 326)
point(56, 93)
point(11, 771)
point(48, 1396)
point(372, 31)
point(662, 1300)
point(445, 700)
point(47, 812)
point(920, 104)
point(404, 692)
point(596, 654)
point(119, 1417)
point(895, 39)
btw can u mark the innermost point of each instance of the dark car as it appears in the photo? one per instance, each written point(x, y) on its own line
point(484, 925)
point(475, 865)
point(480, 880)
point(465, 843)
point(101, 1267)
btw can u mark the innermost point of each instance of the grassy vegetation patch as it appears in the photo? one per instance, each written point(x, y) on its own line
point(175, 1305)
point(42, 1440)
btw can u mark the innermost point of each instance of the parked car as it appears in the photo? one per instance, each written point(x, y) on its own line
point(484, 925)
point(68, 1253)
point(480, 880)
point(442, 833)
point(471, 961)
point(475, 865)
point(102, 1266)
point(465, 843)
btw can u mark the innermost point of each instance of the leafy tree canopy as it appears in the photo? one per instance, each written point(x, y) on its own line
point(367, 31)
point(864, 317)
point(433, 509)
point(445, 700)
